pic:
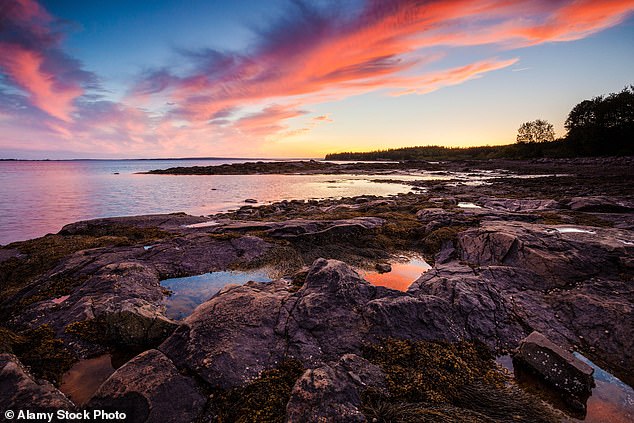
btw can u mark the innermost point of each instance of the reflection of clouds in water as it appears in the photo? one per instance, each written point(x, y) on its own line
point(191, 291)
point(85, 377)
point(403, 274)
point(611, 401)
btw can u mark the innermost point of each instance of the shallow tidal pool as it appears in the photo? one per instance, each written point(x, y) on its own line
point(189, 292)
point(404, 272)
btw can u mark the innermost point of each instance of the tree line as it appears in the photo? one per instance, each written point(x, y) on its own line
point(602, 126)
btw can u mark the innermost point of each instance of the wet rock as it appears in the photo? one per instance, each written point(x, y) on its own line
point(251, 201)
point(149, 388)
point(20, 390)
point(555, 366)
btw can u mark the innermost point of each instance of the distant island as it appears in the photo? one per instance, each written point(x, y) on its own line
point(602, 126)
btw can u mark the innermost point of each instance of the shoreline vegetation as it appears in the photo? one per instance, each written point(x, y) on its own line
point(602, 126)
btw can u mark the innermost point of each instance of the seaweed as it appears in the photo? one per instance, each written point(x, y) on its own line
point(46, 355)
point(263, 400)
point(437, 381)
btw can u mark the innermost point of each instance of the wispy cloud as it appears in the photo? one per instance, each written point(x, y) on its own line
point(316, 52)
point(32, 60)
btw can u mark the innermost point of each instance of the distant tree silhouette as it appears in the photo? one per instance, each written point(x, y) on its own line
point(535, 131)
point(603, 125)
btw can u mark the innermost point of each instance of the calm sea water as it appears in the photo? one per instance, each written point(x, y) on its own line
point(40, 197)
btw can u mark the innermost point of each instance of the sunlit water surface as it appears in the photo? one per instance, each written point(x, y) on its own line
point(40, 197)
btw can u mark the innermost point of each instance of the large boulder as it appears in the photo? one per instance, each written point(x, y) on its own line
point(149, 388)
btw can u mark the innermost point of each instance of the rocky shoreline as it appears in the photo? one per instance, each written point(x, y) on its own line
point(537, 262)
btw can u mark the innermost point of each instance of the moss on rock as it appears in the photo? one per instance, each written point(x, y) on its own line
point(45, 355)
point(263, 400)
point(432, 381)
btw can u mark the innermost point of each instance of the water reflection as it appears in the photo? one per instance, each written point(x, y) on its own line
point(85, 377)
point(404, 272)
point(40, 197)
point(191, 291)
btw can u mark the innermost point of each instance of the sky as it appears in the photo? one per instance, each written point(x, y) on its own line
point(205, 78)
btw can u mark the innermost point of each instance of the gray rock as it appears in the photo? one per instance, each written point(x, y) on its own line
point(519, 205)
point(297, 228)
point(149, 388)
point(20, 390)
point(556, 258)
point(555, 366)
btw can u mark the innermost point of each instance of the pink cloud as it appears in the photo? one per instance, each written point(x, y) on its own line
point(31, 59)
point(312, 55)
point(266, 122)
point(25, 67)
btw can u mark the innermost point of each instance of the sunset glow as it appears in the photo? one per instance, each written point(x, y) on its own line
point(297, 79)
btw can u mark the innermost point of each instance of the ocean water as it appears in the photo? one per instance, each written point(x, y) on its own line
point(39, 197)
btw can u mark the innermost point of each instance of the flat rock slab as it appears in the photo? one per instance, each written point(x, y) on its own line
point(599, 204)
point(302, 227)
